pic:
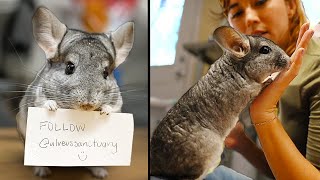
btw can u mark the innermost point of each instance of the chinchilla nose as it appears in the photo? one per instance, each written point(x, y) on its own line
point(283, 62)
point(87, 106)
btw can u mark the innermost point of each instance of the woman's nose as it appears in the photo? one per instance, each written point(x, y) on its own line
point(252, 17)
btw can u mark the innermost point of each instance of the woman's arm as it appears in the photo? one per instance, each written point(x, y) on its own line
point(313, 139)
point(285, 161)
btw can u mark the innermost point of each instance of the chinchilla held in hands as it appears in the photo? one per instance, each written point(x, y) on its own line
point(78, 73)
point(188, 142)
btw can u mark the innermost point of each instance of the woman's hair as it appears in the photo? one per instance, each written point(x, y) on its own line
point(298, 19)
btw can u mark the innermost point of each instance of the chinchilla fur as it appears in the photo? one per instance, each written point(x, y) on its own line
point(188, 142)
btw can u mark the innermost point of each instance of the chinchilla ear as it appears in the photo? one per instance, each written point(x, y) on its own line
point(122, 39)
point(48, 31)
point(232, 41)
point(207, 52)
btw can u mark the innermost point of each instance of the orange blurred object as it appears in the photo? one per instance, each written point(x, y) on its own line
point(94, 16)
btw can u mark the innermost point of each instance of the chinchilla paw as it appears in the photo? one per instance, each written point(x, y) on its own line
point(98, 172)
point(42, 171)
point(51, 105)
point(106, 109)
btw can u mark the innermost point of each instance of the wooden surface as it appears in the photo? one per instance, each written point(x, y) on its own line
point(11, 161)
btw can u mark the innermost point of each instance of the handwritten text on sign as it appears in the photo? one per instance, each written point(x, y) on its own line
point(77, 138)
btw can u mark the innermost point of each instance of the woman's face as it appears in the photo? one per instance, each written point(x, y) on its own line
point(268, 18)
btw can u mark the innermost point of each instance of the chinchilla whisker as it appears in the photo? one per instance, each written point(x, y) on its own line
point(25, 67)
point(58, 95)
point(16, 97)
point(131, 101)
point(27, 104)
point(58, 84)
point(33, 72)
point(135, 98)
point(126, 91)
point(119, 88)
point(129, 85)
point(130, 92)
point(16, 91)
point(15, 50)
point(33, 87)
point(48, 85)
point(43, 88)
point(127, 94)
point(52, 97)
point(22, 105)
point(26, 91)
point(24, 85)
point(34, 95)
point(111, 101)
point(61, 99)
point(14, 84)
point(19, 84)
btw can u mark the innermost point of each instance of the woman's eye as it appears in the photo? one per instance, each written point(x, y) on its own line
point(237, 14)
point(105, 73)
point(264, 50)
point(70, 68)
point(260, 2)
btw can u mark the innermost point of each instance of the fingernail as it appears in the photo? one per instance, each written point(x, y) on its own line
point(306, 25)
point(312, 33)
point(302, 52)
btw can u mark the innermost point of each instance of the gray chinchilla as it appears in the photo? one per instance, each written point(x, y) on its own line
point(78, 73)
point(188, 142)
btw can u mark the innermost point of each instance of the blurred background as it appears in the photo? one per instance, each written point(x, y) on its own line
point(21, 57)
point(173, 70)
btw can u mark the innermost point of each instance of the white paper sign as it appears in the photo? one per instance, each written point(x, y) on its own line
point(78, 138)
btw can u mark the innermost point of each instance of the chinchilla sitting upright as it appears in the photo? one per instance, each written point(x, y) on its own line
point(188, 142)
point(78, 73)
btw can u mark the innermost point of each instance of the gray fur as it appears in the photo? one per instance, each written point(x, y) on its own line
point(190, 139)
point(85, 89)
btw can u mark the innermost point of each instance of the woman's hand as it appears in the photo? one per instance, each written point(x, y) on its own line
point(235, 137)
point(263, 109)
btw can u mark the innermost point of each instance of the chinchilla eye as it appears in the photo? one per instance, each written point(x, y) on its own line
point(264, 50)
point(105, 73)
point(70, 68)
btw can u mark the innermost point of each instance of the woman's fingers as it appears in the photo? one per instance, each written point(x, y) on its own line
point(303, 29)
point(304, 41)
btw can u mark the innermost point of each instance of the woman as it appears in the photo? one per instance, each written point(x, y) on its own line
point(299, 106)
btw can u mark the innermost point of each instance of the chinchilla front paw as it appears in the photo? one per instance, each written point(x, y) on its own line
point(106, 109)
point(42, 171)
point(51, 105)
point(98, 172)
